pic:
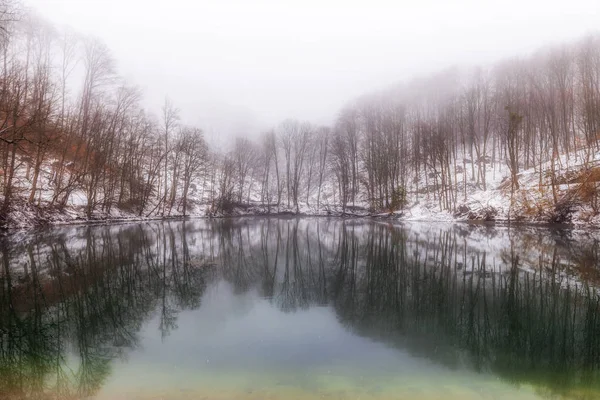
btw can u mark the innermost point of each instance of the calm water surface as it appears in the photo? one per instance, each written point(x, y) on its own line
point(299, 309)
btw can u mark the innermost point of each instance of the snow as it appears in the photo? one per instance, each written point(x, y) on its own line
point(423, 212)
point(532, 203)
point(78, 198)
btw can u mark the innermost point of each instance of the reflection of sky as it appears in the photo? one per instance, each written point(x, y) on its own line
point(245, 331)
point(236, 338)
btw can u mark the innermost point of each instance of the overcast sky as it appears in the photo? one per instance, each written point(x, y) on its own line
point(251, 63)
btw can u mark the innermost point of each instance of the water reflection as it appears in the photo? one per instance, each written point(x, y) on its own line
point(370, 300)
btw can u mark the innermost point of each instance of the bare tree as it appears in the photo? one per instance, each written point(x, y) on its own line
point(245, 156)
point(170, 120)
point(194, 149)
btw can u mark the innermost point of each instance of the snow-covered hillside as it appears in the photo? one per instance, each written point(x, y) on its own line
point(532, 203)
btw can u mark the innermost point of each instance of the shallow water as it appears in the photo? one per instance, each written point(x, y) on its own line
point(299, 309)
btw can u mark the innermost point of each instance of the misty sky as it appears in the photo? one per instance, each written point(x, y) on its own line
point(243, 65)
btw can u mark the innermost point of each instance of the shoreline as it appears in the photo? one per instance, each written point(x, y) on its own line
point(8, 230)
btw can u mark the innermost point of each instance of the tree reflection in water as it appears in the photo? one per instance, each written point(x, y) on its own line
point(521, 303)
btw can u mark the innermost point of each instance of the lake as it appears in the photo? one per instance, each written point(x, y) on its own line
point(299, 308)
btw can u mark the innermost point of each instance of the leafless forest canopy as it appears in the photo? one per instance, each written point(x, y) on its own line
point(436, 138)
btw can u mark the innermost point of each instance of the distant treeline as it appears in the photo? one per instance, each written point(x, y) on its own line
point(436, 138)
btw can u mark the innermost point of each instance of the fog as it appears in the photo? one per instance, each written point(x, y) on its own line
point(236, 67)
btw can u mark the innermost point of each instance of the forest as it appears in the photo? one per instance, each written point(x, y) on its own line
point(74, 135)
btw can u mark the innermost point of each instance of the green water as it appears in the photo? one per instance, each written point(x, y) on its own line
point(299, 309)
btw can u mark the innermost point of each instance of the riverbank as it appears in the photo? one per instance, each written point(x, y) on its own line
point(565, 205)
point(25, 221)
point(565, 192)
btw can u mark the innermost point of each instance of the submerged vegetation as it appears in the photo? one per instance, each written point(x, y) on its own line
point(73, 302)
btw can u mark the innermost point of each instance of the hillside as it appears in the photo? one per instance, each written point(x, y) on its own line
point(576, 184)
point(514, 141)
